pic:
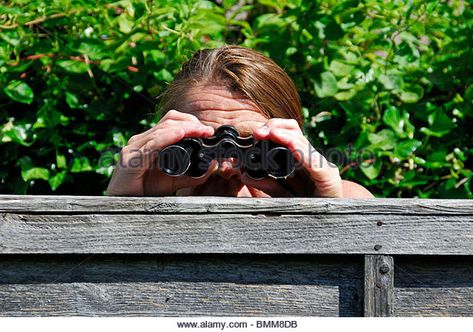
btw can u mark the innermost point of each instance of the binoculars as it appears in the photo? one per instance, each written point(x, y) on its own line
point(192, 156)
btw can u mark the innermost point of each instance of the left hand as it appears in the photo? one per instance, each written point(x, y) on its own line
point(315, 176)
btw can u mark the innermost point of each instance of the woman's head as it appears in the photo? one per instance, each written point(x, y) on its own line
point(236, 86)
point(233, 85)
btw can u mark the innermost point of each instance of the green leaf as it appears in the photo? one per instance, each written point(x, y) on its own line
point(119, 140)
point(156, 55)
point(61, 161)
point(12, 37)
point(19, 91)
point(340, 69)
point(326, 86)
point(440, 124)
point(56, 180)
point(392, 117)
point(413, 95)
point(371, 171)
point(399, 123)
point(163, 75)
point(72, 66)
point(93, 49)
point(406, 148)
point(391, 82)
point(291, 50)
point(17, 133)
point(125, 24)
point(385, 139)
point(343, 84)
point(345, 95)
point(72, 100)
point(81, 164)
point(35, 173)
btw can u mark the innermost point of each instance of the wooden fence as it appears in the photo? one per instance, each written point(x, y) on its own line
point(173, 256)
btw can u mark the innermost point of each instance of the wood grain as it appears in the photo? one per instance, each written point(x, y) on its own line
point(173, 285)
point(433, 302)
point(175, 205)
point(379, 286)
point(218, 256)
point(169, 299)
point(434, 286)
point(236, 233)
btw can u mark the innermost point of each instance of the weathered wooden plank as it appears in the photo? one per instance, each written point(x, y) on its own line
point(167, 299)
point(434, 271)
point(55, 285)
point(434, 286)
point(433, 302)
point(150, 205)
point(236, 233)
point(379, 286)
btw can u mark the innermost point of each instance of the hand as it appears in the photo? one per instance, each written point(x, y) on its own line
point(316, 178)
point(137, 173)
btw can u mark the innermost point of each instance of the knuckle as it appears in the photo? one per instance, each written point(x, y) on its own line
point(176, 115)
point(189, 117)
point(125, 150)
point(149, 145)
point(132, 139)
point(171, 113)
point(164, 122)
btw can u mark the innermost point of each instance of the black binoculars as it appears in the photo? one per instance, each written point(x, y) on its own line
point(192, 156)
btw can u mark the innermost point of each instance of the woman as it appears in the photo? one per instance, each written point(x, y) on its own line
point(236, 86)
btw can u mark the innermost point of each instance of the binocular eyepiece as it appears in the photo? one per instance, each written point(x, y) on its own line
point(192, 156)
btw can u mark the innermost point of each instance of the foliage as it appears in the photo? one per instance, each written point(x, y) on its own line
point(387, 83)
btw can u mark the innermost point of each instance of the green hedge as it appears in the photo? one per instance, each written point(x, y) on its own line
point(391, 79)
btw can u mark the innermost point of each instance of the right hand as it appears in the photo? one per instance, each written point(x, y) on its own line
point(137, 173)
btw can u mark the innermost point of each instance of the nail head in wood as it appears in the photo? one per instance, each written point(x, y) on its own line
point(384, 269)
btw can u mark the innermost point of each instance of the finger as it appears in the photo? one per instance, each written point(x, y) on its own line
point(167, 136)
point(136, 140)
point(189, 127)
point(176, 115)
point(326, 175)
point(219, 186)
point(171, 118)
point(135, 159)
point(301, 182)
point(301, 148)
point(228, 168)
point(263, 131)
point(268, 185)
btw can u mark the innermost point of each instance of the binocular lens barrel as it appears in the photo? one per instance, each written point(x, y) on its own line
point(174, 160)
point(280, 162)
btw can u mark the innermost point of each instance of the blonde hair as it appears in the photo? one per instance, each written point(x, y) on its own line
point(243, 70)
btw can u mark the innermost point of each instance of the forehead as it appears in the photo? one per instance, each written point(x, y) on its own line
point(217, 105)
